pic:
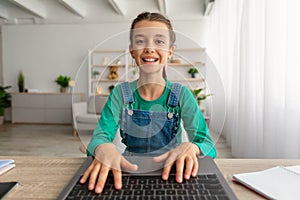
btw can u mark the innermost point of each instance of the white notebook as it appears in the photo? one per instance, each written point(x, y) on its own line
point(279, 182)
point(6, 168)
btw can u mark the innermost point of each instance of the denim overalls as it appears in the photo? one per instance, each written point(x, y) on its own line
point(149, 133)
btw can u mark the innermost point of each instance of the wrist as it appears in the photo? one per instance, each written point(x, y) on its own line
point(196, 149)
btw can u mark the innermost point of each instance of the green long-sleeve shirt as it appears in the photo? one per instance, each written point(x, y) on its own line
point(188, 109)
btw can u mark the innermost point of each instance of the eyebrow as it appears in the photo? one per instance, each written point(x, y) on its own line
point(139, 35)
point(156, 35)
point(160, 35)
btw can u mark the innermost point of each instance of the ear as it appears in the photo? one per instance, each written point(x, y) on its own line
point(131, 51)
point(172, 48)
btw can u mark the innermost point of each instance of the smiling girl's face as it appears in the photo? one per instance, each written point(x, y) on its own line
point(151, 46)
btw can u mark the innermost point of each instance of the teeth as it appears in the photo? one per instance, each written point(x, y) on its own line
point(149, 59)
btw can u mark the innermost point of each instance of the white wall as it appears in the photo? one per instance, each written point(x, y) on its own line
point(43, 52)
point(1, 71)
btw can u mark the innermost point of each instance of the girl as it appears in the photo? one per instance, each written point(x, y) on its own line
point(148, 112)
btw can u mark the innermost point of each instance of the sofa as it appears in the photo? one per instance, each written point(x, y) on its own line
point(85, 118)
point(86, 114)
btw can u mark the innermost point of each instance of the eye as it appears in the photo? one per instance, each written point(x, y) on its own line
point(161, 42)
point(139, 41)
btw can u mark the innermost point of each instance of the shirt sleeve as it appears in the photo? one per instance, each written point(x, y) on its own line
point(194, 123)
point(107, 126)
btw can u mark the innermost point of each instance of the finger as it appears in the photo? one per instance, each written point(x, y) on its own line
point(189, 163)
point(195, 167)
point(168, 165)
point(94, 175)
point(179, 169)
point(171, 158)
point(86, 174)
point(128, 165)
point(101, 179)
point(166, 172)
point(117, 179)
point(161, 157)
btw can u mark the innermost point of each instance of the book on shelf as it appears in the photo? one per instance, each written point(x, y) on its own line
point(275, 183)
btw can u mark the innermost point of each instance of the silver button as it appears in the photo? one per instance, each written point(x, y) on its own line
point(130, 112)
point(170, 115)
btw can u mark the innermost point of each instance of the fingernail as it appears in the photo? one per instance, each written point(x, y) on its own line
point(179, 179)
point(118, 185)
point(98, 189)
point(165, 177)
point(91, 186)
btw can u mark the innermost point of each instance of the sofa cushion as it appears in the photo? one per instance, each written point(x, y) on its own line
point(87, 118)
point(96, 104)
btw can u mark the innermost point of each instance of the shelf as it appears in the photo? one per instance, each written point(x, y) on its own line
point(192, 49)
point(104, 94)
point(108, 51)
point(118, 65)
point(198, 64)
point(108, 80)
point(188, 79)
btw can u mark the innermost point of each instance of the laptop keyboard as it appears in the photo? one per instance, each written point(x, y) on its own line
point(206, 187)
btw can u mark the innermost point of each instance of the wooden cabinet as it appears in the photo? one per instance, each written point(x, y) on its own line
point(53, 108)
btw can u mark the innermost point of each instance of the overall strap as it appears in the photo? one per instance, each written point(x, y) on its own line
point(174, 95)
point(127, 93)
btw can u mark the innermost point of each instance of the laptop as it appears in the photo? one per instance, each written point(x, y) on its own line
point(144, 184)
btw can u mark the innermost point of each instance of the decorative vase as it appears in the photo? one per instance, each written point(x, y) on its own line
point(63, 89)
point(21, 82)
point(1, 120)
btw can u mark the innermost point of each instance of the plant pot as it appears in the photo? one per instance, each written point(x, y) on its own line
point(21, 89)
point(63, 89)
point(1, 120)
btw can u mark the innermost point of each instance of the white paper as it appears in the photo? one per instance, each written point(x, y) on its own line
point(4, 163)
point(295, 168)
point(274, 183)
point(6, 168)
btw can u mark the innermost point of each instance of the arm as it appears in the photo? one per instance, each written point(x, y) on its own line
point(185, 155)
point(107, 157)
point(107, 126)
point(195, 124)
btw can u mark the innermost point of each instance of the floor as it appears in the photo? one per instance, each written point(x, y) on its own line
point(56, 140)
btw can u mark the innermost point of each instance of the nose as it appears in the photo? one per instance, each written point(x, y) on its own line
point(149, 50)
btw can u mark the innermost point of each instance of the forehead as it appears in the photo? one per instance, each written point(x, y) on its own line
point(146, 27)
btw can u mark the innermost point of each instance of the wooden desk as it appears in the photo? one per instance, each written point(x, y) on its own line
point(45, 177)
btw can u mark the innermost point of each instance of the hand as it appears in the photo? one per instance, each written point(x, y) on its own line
point(185, 154)
point(107, 158)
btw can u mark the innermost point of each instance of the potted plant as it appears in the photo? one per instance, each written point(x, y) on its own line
point(21, 82)
point(200, 95)
point(193, 71)
point(111, 87)
point(96, 74)
point(63, 81)
point(5, 101)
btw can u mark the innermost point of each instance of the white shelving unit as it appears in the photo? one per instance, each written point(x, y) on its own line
point(100, 60)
